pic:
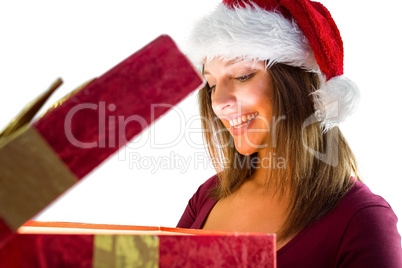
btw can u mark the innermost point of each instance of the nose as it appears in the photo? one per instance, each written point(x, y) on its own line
point(223, 99)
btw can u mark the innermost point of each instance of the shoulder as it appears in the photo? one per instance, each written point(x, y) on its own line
point(202, 195)
point(370, 234)
point(205, 188)
point(360, 232)
point(199, 205)
point(356, 201)
point(360, 197)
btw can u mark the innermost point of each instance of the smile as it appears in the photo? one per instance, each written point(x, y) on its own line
point(242, 120)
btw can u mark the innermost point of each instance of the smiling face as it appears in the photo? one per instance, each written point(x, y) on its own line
point(241, 95)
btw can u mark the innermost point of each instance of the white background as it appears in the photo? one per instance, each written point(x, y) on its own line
point(80, 40)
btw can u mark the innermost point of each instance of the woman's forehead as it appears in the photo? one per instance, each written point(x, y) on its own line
point(226, 64)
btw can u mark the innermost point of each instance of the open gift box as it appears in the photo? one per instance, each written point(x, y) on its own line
point(41, 160)
point(51, 244)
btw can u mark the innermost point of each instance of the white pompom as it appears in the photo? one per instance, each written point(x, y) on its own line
point(335, 100)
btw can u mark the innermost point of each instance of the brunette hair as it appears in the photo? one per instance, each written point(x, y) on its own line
point(319, 164)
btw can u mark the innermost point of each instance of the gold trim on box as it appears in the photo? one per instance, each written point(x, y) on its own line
point(69, 95)
point(32, 176)
point(29, 111)
point(125, 251)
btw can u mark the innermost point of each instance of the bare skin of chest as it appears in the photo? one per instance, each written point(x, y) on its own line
point(248, 210)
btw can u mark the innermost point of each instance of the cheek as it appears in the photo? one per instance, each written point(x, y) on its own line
point(214, 108)
point(251, 101)
point(260, 96)
point(214, 105)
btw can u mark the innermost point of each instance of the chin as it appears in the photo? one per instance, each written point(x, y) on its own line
point(251, 145)
point(245, 150)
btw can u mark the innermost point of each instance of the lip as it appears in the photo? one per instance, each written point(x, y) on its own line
point(236, 131)
point(235, 117)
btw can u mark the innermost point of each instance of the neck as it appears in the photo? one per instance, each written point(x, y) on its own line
point(266, 166)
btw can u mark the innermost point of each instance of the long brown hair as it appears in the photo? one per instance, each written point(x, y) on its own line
point(318, 164)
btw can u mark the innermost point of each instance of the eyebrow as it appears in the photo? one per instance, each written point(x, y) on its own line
point(231, 62)
point(206, 72)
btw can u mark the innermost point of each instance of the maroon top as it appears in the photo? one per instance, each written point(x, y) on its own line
point(360, 232)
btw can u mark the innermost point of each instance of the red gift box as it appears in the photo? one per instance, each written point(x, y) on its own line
point(39, 161)
point(92, 245)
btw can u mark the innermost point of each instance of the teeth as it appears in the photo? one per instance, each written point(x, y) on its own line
point(237, 122)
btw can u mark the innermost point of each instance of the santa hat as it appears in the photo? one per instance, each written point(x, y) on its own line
point(298, 33)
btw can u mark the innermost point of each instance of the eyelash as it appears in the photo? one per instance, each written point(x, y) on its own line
point(242, 78)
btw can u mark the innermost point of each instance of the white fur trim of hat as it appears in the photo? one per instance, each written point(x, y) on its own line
point(250, 31)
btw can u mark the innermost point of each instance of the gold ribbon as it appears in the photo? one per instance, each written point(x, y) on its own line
point(31, 177)
point(31, 173)
point(125, 251)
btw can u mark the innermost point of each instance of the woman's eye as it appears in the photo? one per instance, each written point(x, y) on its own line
point(244, 77)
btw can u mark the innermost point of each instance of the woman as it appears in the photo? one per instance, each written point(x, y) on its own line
point(274, 95)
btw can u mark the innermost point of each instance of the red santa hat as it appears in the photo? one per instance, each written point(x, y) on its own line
point(299, 33)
